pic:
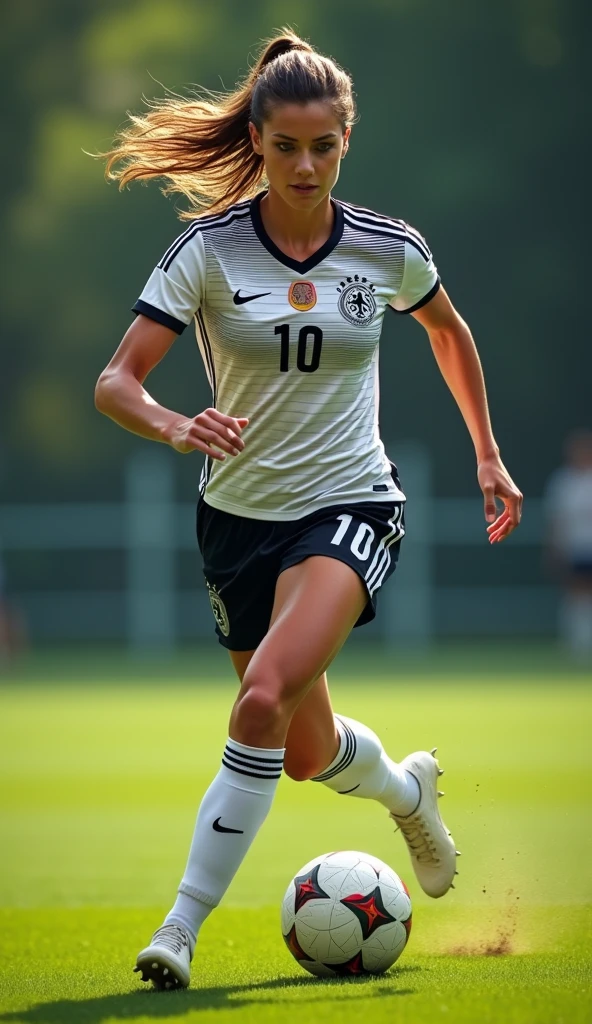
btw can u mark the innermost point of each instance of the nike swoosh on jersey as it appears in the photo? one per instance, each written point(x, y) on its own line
point(220, 828)
point(238, 299)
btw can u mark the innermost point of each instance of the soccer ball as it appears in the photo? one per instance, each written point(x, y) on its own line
point(346, 913)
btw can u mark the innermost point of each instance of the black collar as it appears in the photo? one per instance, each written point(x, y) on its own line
point(301, 266)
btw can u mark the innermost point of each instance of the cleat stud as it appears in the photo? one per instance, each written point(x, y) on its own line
point(458, 853)
point(441, 792)
point(452, 886)
point(456, 872)
point(136, 969)
point(440, 771)
point(155, 966)
point(432, 752)
point(168, 984)
point(165, 970)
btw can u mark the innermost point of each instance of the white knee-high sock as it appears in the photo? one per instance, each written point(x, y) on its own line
point(230, 815)
point(361, 768)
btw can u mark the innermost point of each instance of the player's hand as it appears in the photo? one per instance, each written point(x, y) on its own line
point(496, 482)
point(211, 432)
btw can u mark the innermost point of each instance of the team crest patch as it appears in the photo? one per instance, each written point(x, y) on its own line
point(356, 300)
point(219, 609)
point(302, 295)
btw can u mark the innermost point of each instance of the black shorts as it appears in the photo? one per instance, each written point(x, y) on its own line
point(244, 557)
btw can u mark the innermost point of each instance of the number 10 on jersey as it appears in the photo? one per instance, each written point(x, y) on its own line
point(308, 356)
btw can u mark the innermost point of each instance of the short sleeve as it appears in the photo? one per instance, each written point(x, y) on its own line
point(173, 293)
point(420, 280)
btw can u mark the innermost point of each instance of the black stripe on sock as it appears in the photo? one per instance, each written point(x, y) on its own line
point(351, 746)
point(249, 757)
point(260, 769)
point(339, 766)
point(252, 775)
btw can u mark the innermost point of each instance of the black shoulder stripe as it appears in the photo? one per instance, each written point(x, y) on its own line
point(173, 245)
point(375, 229)
point(412, 233)
point(387, 232)
point(377, 222)
point(363, 212)
point(176, 247)
point(202, 224)
point(423, 249)
point(216, 218)
point(241, 215)
point(390, 225)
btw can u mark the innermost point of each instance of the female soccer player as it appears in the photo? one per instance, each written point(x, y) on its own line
point(300, 514)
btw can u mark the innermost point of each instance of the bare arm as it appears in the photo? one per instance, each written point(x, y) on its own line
point(459, 363)
point(120, 394)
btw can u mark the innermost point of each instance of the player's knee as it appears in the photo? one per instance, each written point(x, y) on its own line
point(301, 768)
point(259, 708)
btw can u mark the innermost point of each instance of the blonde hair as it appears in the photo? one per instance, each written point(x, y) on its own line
point(201, 145)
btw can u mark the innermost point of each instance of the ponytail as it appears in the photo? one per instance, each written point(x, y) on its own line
point(202, 147)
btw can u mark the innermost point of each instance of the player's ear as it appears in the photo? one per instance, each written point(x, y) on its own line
point(346, 136)
point(255, 139)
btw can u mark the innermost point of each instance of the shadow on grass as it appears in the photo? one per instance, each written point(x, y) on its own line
point(150, 1003)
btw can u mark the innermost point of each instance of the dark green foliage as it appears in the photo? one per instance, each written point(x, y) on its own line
point(472, 127)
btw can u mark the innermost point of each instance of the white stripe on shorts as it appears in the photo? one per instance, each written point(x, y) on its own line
point(382, 557)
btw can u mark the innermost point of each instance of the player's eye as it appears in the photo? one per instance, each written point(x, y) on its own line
point(284, 147)
point(324, 147)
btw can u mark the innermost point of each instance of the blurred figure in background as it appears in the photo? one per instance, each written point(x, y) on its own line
point(568, 503)
point(12, 627)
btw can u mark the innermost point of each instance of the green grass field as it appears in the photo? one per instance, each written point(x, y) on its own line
point(100, 780)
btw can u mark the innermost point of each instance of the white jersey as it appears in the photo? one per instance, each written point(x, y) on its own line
point(293, 346)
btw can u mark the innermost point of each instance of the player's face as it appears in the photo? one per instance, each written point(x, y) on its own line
point(301, 145)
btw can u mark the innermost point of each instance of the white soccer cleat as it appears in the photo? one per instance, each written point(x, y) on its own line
point(166, 961)
point(432, 850)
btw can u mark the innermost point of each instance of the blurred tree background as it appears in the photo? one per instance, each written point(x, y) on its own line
point(472, 127)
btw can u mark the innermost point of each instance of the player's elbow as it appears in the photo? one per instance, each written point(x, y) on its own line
point(103, 390)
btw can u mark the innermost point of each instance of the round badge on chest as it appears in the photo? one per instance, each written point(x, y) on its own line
point(302, 295)
point(356, 302)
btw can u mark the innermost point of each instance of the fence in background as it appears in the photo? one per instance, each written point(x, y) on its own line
point(150, 528)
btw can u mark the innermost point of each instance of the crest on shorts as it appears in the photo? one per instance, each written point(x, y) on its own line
point(356, 300)
point(219, 609)
point(302, 295)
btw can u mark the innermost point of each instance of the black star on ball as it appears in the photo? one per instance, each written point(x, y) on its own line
point(351, 968)
point(369, 910)
point(308, 888)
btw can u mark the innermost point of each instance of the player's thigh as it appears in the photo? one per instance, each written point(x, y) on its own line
point(317, 602)
point(240, 662)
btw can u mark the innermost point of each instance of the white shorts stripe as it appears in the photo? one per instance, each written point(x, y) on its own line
point(380, 548)
point(378, 581)
point(382, 556)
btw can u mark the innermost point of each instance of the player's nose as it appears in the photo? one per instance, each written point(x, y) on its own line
point(305, 166)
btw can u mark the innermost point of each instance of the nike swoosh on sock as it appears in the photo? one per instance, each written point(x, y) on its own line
point(220, 828)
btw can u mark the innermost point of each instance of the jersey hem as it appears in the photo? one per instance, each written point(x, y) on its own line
point(287, 517)
point(422, 302)
point(159, 315)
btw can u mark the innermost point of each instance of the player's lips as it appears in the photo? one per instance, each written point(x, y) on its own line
point(305, 189)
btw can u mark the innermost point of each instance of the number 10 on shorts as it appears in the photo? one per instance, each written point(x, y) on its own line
point(362, 541)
